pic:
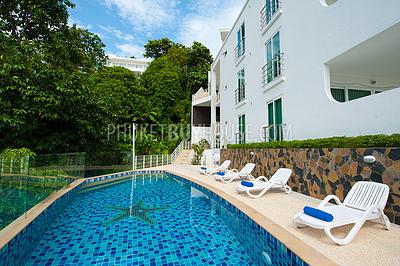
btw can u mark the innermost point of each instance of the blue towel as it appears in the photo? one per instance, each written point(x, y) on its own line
point(247, 184)
point(316, 213)
point(221, 173)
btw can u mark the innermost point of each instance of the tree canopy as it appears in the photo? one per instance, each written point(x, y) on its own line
point(56, 95)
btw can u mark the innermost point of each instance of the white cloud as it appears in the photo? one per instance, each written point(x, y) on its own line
point(145, 15)
point(130, 49)
point(117, 33)
point(207, 18)
point(78, 24)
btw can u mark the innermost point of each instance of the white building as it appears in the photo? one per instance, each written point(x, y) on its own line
point(295, 69)
point(136, 65)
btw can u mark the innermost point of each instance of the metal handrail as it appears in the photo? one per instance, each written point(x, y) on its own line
point(240, 94)
point(278, 132)
point(272, 69)
point(184, 145)
point(238, 136)
point(267, 15)
point(240, 49)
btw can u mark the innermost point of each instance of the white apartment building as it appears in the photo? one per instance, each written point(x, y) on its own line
point(136, 65)
point(291, 69)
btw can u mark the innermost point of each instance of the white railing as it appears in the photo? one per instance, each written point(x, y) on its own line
point(199, 133)
point(218, 128)
point(19, 165)
point(148, 161)
point(218, 97)
point(184, 145)
point(200, 94)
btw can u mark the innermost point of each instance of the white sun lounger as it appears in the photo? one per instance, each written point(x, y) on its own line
point(215, 168)
point(365, 201)
point(262, 184)
point(234, 174)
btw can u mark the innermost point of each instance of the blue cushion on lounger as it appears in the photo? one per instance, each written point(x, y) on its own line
point(247, 184)
point(316, 213)
point(221, 173)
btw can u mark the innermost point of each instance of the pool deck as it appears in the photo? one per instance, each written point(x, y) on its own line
point(274, 212)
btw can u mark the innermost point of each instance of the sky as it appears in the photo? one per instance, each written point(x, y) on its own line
point(126, 25)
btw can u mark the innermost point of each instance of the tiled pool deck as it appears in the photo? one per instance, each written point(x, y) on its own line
point(372, 246)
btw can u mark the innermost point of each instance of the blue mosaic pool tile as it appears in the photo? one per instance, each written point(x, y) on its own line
point(212, 231)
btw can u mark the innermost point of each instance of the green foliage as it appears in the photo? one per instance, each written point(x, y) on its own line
point(334, 142)
point(48, 172)
point(16, 153)
point(156, 48)
point(198, 151)
point(56, 95)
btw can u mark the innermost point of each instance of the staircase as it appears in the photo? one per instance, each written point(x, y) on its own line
point(184, 157)
point(183, 154)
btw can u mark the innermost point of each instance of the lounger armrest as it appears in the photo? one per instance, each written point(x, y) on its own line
point(328, 198)
point(261, 178)
point(233, 171)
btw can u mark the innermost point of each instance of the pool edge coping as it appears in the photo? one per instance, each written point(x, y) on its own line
point(307, 253)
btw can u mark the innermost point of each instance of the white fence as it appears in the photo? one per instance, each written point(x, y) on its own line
point(147, 161)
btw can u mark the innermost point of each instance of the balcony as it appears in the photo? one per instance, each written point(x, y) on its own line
point(273, 69)
point(240, 138)
point(270, 11)
point(277, 132)
point(240, 94)
point(200, 94)
point(240, 49)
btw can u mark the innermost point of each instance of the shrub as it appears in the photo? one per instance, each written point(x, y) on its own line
point(334, 142)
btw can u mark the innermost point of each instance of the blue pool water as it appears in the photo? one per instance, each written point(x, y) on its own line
point(155, 220)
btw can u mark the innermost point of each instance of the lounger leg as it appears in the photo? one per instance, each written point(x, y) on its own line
point(259, 195)
point(385, 220)
point(297, 222)
point(349, 237)
point(287, 189)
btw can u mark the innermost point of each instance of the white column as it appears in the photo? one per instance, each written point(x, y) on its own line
point(213, 88)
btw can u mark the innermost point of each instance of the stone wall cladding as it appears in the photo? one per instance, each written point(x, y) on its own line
point(324, 171)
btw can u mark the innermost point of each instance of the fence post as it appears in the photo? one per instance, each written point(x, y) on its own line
point(157, 160)
point(151, 160)
point(11, 165)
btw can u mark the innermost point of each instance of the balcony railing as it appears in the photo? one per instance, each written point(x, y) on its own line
point(267, 13)
point(240, 94)
point(240, 49)
point(218, 97)
point(200, 94)
point(218, 128)
point(240, 138)
point(275, 132)
point(273, 69)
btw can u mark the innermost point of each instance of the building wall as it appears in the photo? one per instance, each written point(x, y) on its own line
point(321, 172)
point(310, 36)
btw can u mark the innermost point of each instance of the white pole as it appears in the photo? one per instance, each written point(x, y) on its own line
point(133, 146)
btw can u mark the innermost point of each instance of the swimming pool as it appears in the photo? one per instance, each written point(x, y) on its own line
point(156, 219)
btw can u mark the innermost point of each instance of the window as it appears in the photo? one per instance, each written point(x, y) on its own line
point(346, 94)
point(270, 9)
point(338, 94)
point(241, 136)
point(275, 128)
point(355, 94)
point(240, 94)
point(273, 68)
point(240, 48)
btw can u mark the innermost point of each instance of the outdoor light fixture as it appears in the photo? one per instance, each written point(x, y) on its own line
point(327, 2)
point(369, 159)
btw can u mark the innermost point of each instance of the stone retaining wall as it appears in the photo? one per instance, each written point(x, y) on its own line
point(320, 172)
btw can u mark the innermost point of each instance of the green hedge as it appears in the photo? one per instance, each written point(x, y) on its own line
point(335, 142)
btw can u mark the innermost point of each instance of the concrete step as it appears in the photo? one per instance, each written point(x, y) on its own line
point(184, 157)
